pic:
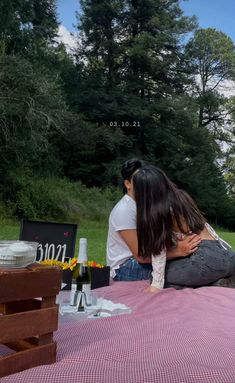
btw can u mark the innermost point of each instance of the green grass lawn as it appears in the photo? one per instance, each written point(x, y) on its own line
point(96, 234)
point(228, 237)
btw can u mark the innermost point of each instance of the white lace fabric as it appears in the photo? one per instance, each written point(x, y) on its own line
point(158, 273)
point(213, 233)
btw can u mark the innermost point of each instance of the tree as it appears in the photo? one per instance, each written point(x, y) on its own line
point(212, 56)
point(130, 53)
point(27, 25)
point(228, 165)
point(32, 116)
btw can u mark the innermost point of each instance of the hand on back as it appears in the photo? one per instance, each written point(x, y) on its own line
point(188, 245)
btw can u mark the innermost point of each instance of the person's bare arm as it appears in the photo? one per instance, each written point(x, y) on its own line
point(130, 237)
point(184, 247)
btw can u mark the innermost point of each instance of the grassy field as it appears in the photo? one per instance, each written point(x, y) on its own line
point(96, 234)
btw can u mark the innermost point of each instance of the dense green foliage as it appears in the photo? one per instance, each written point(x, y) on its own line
point(135, 86)
point(57, 198)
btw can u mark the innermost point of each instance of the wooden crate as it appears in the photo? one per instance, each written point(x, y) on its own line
point(28, 316)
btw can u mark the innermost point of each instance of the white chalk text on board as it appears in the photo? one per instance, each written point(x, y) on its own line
point(52, 251)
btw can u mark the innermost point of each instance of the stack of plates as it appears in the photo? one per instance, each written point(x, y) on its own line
point(17, 254)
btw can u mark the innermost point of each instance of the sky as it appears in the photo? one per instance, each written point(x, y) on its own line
point(217, 14)
point(66, 11)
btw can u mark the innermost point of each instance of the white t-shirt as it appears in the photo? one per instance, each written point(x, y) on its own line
point(122, 217)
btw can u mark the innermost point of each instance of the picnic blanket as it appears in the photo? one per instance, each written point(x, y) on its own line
point(176, 336)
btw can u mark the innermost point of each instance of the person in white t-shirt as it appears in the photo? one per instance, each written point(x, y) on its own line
point(122, 243)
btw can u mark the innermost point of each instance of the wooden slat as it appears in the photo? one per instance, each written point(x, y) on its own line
point(2, 308)
point(30, 342)
point(32, 282)
point(20, 306)
point(27, 324)
point(27, 305)
point(45, 338)
point(29, 358)
point(21, 345)
point(48, 302)
point(22, 325)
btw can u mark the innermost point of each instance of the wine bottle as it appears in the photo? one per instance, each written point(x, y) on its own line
point(83, 278)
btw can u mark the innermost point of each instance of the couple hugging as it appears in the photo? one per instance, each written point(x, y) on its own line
point(157, 232)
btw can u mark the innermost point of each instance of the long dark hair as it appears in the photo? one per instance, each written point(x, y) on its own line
point(161, 207)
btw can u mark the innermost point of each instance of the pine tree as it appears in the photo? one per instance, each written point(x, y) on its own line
point(25, 25)
point(130, 52)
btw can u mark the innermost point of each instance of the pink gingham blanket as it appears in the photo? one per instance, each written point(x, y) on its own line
point(184, 336)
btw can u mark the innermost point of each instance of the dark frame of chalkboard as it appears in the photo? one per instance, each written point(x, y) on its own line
point(56, 240)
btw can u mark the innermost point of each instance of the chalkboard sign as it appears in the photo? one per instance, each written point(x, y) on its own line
point(56, 240)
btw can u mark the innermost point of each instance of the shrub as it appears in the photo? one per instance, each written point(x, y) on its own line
point(31, 197)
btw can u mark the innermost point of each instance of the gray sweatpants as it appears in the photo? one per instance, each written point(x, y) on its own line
point(209, 263)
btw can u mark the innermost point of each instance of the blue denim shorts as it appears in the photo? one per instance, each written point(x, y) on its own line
point(131, 270)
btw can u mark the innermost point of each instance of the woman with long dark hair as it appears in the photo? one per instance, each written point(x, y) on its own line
point(165, 215)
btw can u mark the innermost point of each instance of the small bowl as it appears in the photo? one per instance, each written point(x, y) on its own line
point(17, 254)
